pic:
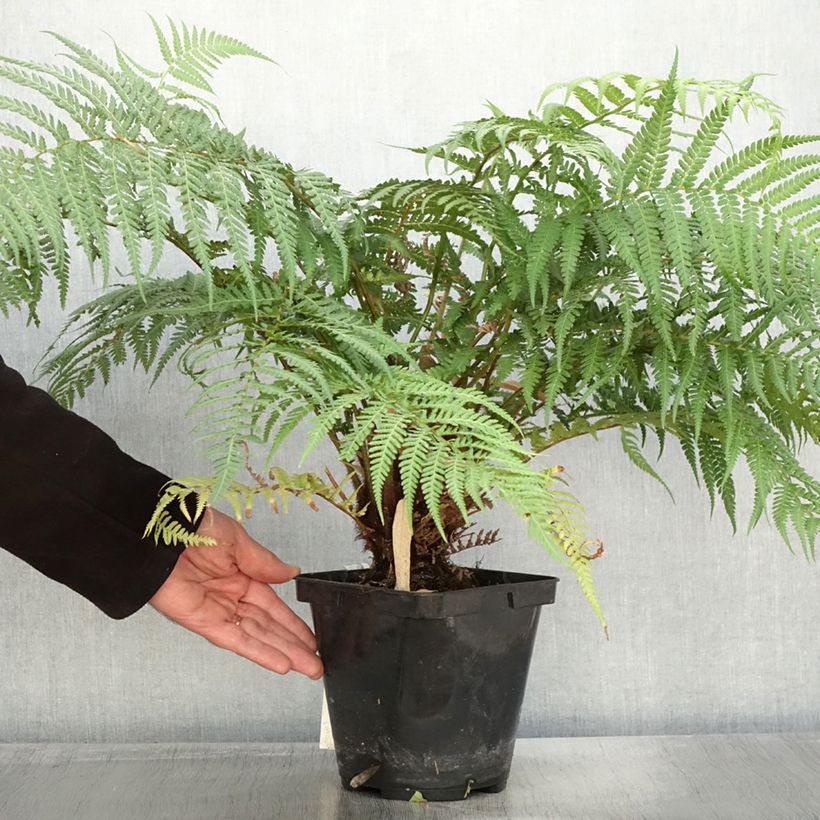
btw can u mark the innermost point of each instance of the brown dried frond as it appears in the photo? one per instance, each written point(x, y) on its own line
point(599, 551)
point(251, 472)
point(467, 540)
point(397, 261)
point(490, 326)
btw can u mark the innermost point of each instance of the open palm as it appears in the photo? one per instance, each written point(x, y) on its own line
point(222, 593)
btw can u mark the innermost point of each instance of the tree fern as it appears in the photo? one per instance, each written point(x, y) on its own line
point(437, 331)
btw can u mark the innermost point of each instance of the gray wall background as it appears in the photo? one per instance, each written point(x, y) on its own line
point(709, 632)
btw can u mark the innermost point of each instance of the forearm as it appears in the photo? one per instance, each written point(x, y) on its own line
point(73, 505)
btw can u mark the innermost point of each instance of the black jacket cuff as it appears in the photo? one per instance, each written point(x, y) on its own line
point(74, 506)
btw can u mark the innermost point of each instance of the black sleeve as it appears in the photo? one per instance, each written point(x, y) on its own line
point(73, 505)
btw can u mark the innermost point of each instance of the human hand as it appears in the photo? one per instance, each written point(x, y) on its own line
point(221, 592)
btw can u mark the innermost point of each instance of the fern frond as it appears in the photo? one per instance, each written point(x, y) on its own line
point(191, 55)
point(192, 494)
point(541, 244)
point(700, 147)
point(645, 158)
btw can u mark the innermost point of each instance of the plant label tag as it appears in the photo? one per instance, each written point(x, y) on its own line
point(325, 730)
point(402, 535)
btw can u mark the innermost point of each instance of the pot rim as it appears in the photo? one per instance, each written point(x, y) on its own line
point(515, 590)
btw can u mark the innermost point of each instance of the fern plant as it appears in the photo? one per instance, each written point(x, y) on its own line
point(440, 332)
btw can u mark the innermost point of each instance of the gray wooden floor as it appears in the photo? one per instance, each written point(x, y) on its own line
point(771, 777)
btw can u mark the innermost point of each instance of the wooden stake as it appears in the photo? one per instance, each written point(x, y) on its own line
point(402, 534)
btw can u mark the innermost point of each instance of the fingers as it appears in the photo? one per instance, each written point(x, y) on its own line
point(258, 624)
point(261, 564)
point(264, 647)
point(251, 557)
point(262, 619)
point(265, 598)
point(233, 638)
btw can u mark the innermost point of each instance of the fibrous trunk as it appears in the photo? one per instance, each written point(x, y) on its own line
point(431, 566)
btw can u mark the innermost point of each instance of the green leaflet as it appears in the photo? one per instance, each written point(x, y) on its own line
point(629, 441)
point(541, 244)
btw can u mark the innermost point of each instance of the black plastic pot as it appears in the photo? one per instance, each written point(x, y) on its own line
point(424, 690)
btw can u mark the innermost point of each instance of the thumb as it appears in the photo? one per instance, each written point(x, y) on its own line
point(261, 564)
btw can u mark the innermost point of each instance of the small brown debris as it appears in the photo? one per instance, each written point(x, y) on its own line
point(362, 777)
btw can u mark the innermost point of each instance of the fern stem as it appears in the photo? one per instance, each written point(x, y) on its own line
point(180, 241)
point(362, 293)
point(486, 374)
point(628, 419)
point(364, 460)
point(434, 277)
point(442, 308)
point(431, 293)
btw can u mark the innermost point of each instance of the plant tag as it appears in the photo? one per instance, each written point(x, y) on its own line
point(402, 535)
point(325, 730)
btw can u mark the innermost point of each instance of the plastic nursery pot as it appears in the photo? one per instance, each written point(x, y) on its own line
point(424, 690)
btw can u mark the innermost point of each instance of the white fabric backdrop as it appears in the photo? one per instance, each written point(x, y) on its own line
point(709, 632)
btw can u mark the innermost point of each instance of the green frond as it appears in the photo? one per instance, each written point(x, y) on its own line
point(775, 172)
point(327, 201)
point(284, 227)
point(572, 239)
point(124, 207)
point(534, 369)
point(541, 244)
point(552, 522)
point(796, 184)
point(413, 460)
point(570, 311)
point(191, 55)
point(677, 233)
point(434, 480)
point(645, 158)
point(229, 196)
point(700, 147)
point(755, 154)
point(192, 182)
